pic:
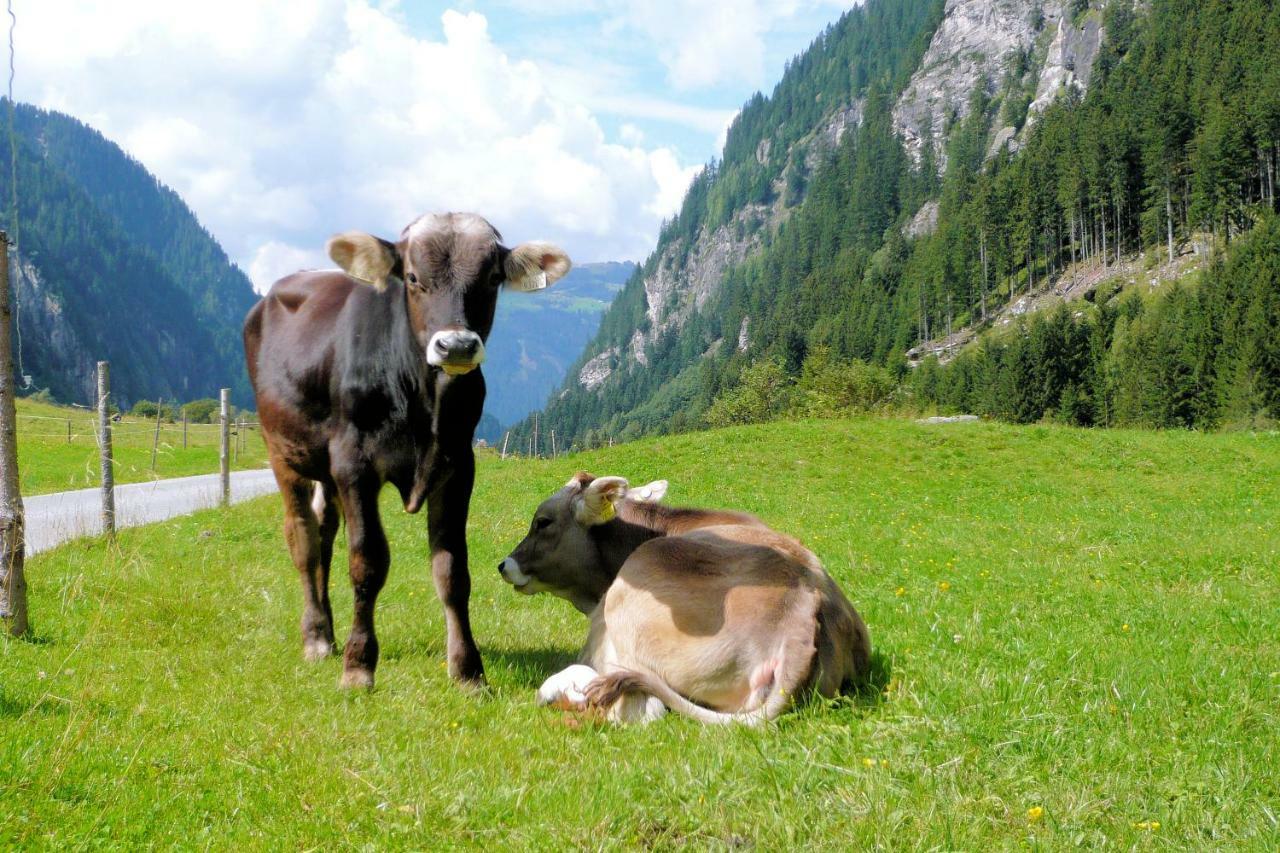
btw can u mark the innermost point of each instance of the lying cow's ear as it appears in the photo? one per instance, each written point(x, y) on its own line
point(649, 493)
point(363, 256)
point(596, 503)
point(533, 266)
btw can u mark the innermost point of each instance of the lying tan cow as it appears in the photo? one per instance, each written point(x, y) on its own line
point(710, 611)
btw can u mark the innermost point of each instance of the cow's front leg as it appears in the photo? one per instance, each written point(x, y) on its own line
point(306, 545)
point(447, 527)
point(369, 559)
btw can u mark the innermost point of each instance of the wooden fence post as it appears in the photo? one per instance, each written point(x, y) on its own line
point(504, 443)
point(553, 444)
point(224, 457)
point(104, 450)
point(13, 582)
point(68, 430)
point(155, 440)
point(184, 427)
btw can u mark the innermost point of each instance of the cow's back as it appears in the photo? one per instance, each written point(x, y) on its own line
point(699, 608)
point(292, 341)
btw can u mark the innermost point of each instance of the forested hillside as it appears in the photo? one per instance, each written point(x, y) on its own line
point(880, 246)
point(113, 265)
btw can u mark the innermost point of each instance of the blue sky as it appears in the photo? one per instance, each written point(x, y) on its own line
point(283, 121)
point(582, 38)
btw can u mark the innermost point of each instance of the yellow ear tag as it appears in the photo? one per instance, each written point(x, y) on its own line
point(607, 511)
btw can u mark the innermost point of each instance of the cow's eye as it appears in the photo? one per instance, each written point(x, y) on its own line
point(413, 278)
point(541, 523)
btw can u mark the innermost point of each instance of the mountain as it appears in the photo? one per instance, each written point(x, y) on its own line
point(925, 164)
point(111, 264)
point(537, 336)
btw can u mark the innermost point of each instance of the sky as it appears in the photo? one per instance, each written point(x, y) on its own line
point(281, 122)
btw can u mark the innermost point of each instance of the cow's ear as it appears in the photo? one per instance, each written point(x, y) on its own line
point(649, 493)
point(596, 504)
point(364, 257)
point(580, 480)
point(533, 266)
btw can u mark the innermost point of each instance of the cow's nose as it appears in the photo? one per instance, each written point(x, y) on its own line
point(500, 565)
point(458, 348)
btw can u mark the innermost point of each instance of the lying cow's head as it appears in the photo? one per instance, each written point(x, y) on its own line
point(452, 265)
point(572, 550)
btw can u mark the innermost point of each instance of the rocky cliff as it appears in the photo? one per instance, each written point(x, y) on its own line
point(979, 45)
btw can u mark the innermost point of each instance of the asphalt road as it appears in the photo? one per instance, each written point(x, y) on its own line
point(55, 518)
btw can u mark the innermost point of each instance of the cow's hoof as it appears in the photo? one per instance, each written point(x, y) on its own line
point(472, 683)
point(468, 672)
point(357, 679)
point(314, 650)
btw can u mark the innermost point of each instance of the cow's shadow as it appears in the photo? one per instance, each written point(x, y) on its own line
point(529, 667)
point(869, 691)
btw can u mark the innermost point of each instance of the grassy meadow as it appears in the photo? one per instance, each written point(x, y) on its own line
point(49, 461)
point(1077, 637)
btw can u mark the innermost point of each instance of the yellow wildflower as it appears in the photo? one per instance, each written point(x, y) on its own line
point(902, 590)
point(1035, 813)
point(944, 586)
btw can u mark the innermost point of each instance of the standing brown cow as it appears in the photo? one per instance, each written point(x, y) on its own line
point(370, 375)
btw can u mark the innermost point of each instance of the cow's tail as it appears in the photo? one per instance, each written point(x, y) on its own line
point(606, 690)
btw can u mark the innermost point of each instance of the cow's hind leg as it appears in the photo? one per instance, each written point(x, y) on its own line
point(302, 534)
point(370, 558)
point(327, 508)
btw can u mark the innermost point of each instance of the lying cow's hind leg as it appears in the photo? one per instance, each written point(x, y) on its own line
point(369, 558)
point(607, 691)
point(302, 534)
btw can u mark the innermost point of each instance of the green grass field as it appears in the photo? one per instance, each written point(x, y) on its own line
point(1078, 639)
point(49, 462)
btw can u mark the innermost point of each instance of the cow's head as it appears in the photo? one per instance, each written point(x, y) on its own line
point(452, 266)
point(571, 549)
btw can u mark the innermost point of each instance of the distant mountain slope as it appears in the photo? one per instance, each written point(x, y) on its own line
point(537, 336)
point(113, 265)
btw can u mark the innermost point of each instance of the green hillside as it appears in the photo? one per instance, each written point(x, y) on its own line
point(1173, 149)
point(113, 265)
point(1075, 634)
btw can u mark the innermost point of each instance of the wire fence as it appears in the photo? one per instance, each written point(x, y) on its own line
point(61, 452)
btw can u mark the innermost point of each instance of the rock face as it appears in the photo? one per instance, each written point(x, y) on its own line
point(679, 286)
point(971, 50)
point(597, 370)
point(1069, 62)
point(51, 345)
point(925, 221)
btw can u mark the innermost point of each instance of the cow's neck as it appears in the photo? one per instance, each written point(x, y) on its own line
point(617, 539)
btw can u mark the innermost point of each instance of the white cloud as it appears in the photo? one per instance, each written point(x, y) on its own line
point(275, 260)
point(281, 123)
point(701, 43)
